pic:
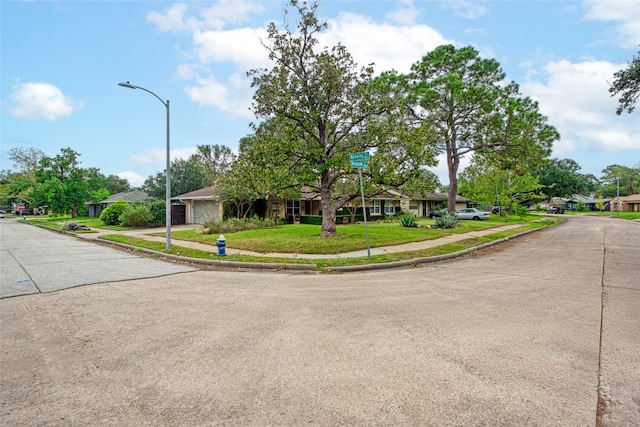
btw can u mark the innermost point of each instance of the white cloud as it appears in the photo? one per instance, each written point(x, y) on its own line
point(172, 19)
point(217, 16)
point(134, 179)
point(575, 97)
point(388, 46)
point(233, 97)
point(406, 14)
point(467, 9)
point(626, 15)
point(242, 47)
point(158, 155)
point(41, 101)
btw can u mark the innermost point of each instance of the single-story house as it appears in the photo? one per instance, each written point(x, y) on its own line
point(200, 205)
point(589, 201)
point(627, 203)
point(385, 204)
point(95, 209)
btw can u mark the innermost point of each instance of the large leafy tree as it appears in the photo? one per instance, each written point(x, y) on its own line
point(17, 185)
point(628, 179)
point(627, 84)
point(319, 108)
point(62, 183)
point(201, 169)
point(561, 178)
point(462, 96)
point(489, 185)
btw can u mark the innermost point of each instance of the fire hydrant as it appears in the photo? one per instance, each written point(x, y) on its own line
point(221, 244)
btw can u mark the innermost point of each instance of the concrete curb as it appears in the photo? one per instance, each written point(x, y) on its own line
point(298, 267)
point(313, 267)
point(211, 262)
point(425, 260)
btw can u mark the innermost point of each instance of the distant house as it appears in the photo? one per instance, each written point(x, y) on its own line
point(627, 203)
point(589, 201)
point(200, 205)
point(95, 209)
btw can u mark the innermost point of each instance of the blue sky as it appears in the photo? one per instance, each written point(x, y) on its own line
point(62, 62)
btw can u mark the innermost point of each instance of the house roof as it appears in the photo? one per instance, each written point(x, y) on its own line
point(634, 198)
point(205, 193)
point(132, 196)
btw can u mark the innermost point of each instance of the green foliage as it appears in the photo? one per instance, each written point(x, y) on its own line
point(111, 215)
point(232, 225)
point(491, 186)
point(448, 220)
point(200, 170)
point(521, 211)
point(136, 216)
point(560, 178)
point(407, 220)
point(60, 183)
point(158, 210)
point(318, 107)
point(627, 83)
point(581, 207)
point(474, 112)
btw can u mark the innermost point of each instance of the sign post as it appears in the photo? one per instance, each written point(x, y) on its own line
point(359, 161)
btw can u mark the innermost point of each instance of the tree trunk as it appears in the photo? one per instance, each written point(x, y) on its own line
point(453, 162)
point(328, 208)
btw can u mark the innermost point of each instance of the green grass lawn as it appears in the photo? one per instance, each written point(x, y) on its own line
point(60, 222)
point(304, 238)
point(321, 264)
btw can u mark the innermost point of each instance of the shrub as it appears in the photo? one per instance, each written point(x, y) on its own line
point(522, 211)
point(581, 207)
point(158, 210)
point(232, 225)
point(136, 216)
point(111, 215)
point(448, 220)
point(407, 220)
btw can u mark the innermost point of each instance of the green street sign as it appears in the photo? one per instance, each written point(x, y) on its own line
point(359, 160)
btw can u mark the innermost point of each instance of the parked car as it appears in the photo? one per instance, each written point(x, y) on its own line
point(472, 213)
point(436, 214)
point(555, 210)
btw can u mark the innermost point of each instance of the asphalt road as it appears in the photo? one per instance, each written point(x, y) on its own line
point(36, 260)
point(542, 331)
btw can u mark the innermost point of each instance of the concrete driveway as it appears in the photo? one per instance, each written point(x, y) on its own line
point(542, 331)
point(35, 260)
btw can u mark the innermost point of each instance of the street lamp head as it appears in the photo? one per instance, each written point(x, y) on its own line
point(127, 84)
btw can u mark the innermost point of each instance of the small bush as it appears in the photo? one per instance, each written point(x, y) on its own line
point(448, 220)
point(407, 220)
point(522, 211)
point(581, 207)
point(232, 225)
point(158, 210)
point(111, 215)
point(136, 216)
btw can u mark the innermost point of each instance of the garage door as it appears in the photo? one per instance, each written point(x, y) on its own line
point(204, 209)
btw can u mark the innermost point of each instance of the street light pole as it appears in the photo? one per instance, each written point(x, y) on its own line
point(168, 166)
point(618, 196)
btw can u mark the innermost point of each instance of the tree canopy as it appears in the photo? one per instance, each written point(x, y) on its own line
point(627, 85)
point(462, 96)
point(318, 108)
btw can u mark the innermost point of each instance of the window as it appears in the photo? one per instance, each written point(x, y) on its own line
point(389, 208)
point(375, 207)
point(292, 208)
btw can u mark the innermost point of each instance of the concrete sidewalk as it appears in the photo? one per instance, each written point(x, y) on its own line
point(147, 234)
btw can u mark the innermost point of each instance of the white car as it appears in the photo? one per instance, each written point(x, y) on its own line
point(472, 213)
